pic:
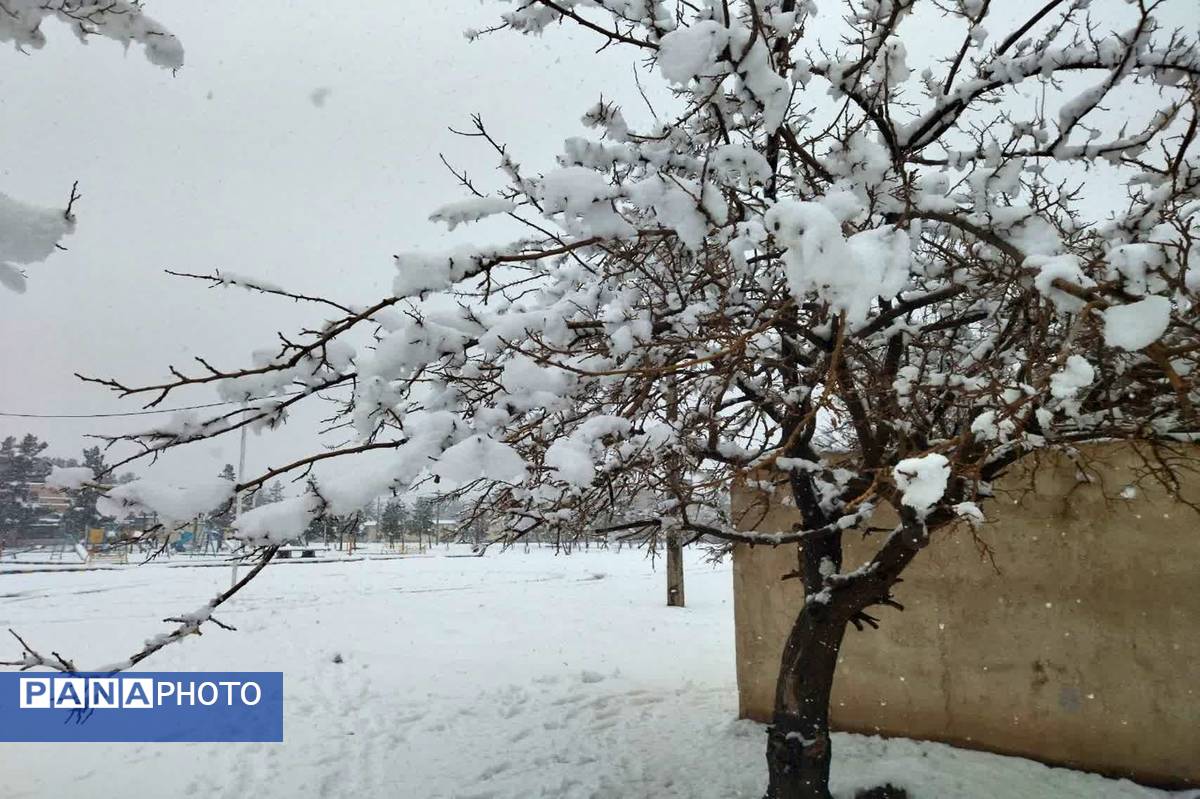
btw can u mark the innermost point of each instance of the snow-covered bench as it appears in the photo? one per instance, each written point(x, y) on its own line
point(297, 551)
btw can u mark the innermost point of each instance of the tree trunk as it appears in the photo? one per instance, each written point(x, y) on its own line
point(675, 597)
point(798, 747)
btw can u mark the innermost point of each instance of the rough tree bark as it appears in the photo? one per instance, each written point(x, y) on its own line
point(675, 597)
point(798, 746)
point(798, 750)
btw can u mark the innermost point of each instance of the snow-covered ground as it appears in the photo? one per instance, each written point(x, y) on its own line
point(521, 674)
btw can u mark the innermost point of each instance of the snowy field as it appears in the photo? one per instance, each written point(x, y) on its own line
point(506, 677)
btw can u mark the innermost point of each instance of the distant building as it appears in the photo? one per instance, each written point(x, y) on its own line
point(369, 531)
point(51, 499)
point(52, 504)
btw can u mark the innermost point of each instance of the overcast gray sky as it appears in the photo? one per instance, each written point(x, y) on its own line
point(231, 164)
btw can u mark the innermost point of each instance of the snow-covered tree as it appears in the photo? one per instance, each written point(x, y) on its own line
point(878, 272)
point(29, 234)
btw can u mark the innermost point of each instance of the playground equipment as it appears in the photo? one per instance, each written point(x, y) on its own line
point(214, 542)
point(100, 548)
point(401, 546)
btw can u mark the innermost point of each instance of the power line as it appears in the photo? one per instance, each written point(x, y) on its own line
point(106, 415)
point(133, 413)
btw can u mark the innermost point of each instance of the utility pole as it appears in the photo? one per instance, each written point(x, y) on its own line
point(674, 570)
point(237, 500)
point(674, 543)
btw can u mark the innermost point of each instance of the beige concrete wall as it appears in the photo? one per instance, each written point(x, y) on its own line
point(1083, 649)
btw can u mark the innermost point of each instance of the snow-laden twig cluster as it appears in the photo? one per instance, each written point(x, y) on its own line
point(187, 624)
point(29, 234)
point(119, 20)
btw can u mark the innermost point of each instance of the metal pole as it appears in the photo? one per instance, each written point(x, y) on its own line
point(237, 500)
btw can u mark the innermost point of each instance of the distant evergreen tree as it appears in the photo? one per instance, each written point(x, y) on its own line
point(222, 518)
point(82, 513)
point(393, 519)
point(266, 494)
point(21, 463)
point(420, 521)
point(317, 529)
point(373, 512)
point(333, 528)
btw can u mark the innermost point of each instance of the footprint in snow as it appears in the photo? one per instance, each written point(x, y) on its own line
point(411, 718)
point(493, 770)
